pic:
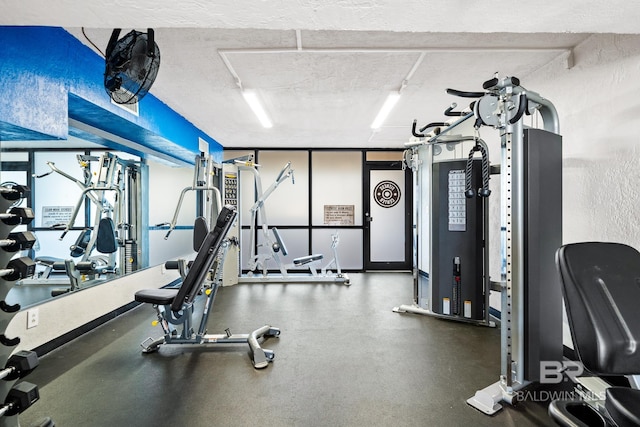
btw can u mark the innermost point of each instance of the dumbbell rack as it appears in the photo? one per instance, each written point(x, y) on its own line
point(15, 397)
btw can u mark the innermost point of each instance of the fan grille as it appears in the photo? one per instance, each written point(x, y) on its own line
point(131, 68)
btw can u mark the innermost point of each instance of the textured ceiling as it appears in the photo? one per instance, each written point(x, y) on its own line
point(323, 69)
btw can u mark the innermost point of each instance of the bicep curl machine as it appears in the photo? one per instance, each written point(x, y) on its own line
point(176, 308)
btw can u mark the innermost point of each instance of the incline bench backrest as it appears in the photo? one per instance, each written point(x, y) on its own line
point(601, 285)
point(205, 258)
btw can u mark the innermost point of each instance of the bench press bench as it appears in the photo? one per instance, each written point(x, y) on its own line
point(175, 306)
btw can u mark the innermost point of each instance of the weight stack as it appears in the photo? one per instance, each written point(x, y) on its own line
point(457, 274)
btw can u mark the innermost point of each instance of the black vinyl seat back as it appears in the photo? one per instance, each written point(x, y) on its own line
point(106, 240)
point(601, 287)
point(200, 231)
point(204, 259)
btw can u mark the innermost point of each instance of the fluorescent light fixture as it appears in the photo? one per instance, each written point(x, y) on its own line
point(258, 110)
point(388, 105)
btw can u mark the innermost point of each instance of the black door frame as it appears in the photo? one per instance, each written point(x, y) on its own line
point(408, 208)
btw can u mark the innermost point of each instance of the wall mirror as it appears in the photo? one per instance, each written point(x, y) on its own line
point(98, 214)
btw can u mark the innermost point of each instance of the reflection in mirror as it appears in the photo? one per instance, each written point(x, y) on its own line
point(87, 220)
point(98, 214)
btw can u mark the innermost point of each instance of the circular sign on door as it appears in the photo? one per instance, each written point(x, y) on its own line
point(386, 194)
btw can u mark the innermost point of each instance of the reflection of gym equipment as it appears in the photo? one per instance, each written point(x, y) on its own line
point(176, 306)
point(275, 245)
point(115, 197)
point(531, 231)
point(600, 286)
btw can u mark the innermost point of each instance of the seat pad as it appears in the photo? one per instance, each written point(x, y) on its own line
point(156, 296)
point(48, 260)
point(307, 259)
point(623, 405)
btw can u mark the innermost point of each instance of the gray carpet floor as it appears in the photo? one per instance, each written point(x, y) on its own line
point(343, 359)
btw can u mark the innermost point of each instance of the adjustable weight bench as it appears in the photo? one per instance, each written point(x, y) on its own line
point(175, 306)
point(601, 287)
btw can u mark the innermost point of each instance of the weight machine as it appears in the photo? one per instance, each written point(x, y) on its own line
point(208, 196)
point(531, 229)
point(273, 243)
point(454, 282)
point(116, 231)
point(176, 306)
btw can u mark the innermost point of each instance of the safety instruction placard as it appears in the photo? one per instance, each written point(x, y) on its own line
point(53, 215)
point(339, 214)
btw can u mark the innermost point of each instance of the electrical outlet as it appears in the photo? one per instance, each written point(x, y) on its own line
point(32, 318)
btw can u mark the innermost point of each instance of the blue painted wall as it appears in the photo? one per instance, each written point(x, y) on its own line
point(47, 76)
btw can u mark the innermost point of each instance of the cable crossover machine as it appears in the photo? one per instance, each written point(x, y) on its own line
point(451, 245)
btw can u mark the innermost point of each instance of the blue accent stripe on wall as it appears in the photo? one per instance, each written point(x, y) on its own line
point(48, 76)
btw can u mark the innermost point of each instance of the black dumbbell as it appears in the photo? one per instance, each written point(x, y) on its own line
point(18, 268)
point(18, 241)
point(11, 194)
point(19, 365)
point(17, 216)
point(19, 398)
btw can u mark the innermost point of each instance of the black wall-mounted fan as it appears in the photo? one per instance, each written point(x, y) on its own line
point(132, 65)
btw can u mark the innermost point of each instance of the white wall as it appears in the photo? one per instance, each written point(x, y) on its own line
point(66, 313)
point(599, 108)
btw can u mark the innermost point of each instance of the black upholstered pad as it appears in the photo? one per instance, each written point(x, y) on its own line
point(601, 286)
point(156, 296)
point(307, 259)
point(623, 405)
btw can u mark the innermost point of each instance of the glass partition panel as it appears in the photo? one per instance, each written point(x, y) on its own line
point(384, 156)
point(349, 248)
point(297, 243)
point(289, 202)
point(337, 181)
point(295, 240)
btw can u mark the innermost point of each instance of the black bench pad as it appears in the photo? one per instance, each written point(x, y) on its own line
point(156, 296)
point(623, 404)
point(307, 259)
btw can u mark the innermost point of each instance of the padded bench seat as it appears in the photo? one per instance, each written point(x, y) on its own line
point(307, 259)
point(157, 296)
point(623, 404)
